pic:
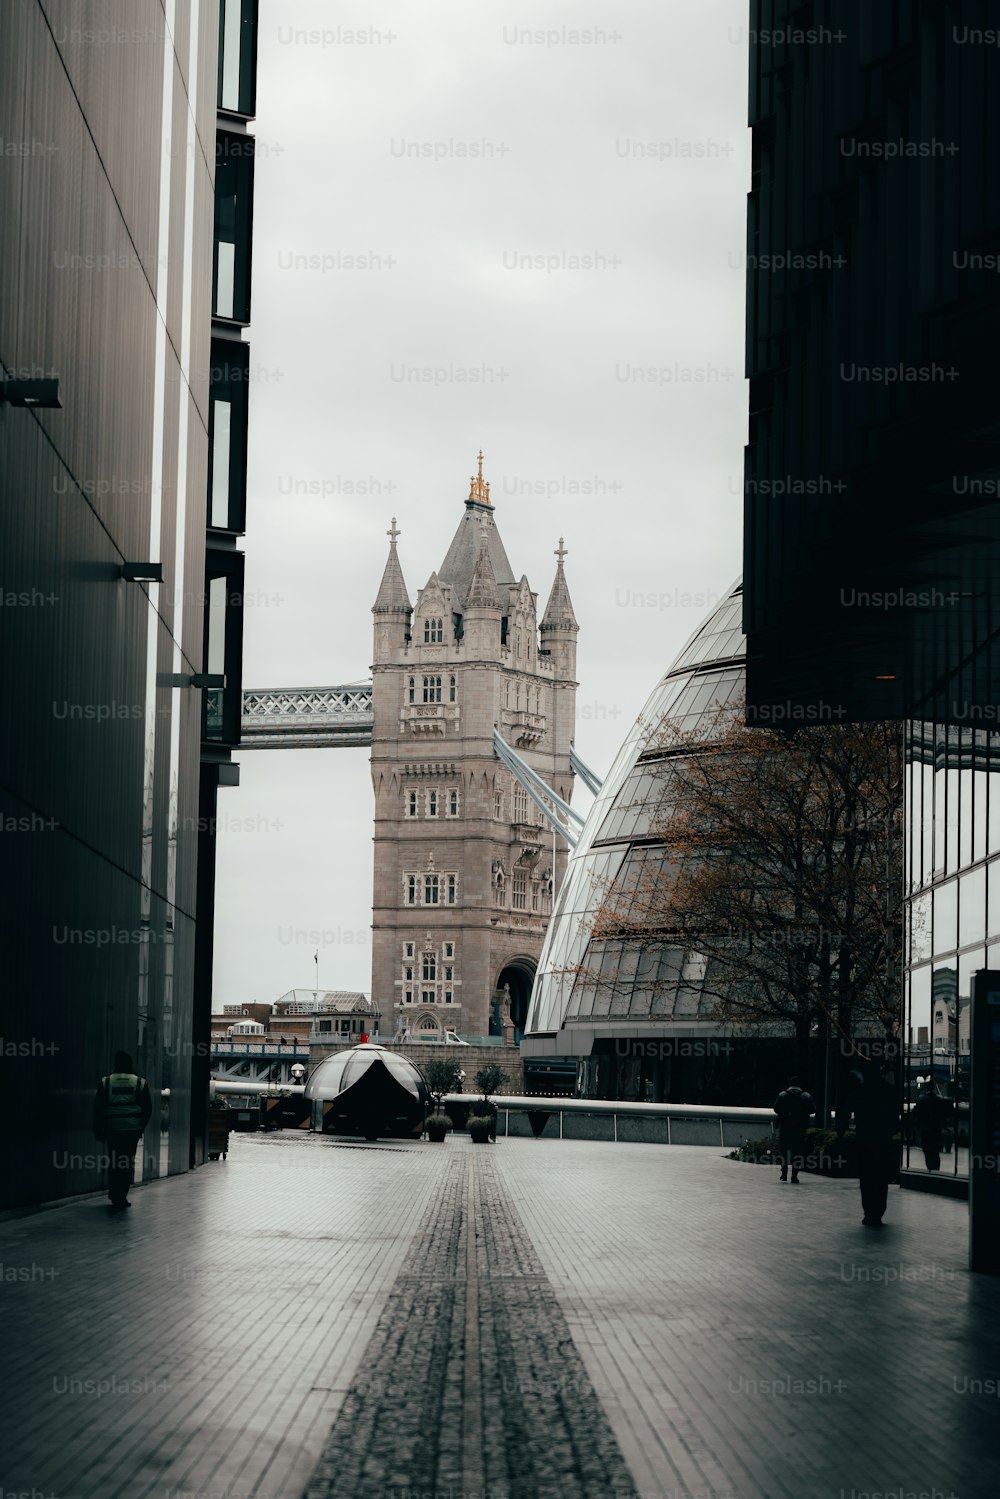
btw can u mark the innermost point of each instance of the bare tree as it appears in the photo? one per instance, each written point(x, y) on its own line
point(779, 862)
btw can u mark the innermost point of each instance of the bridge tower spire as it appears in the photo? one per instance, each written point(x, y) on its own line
point(392, 608)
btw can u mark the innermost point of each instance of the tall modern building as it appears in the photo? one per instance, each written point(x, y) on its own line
point(119, 513)
point(872, 506)
point(872, 476)
point(465, 870)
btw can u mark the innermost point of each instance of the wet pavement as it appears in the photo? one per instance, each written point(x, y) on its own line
point(544, 1318)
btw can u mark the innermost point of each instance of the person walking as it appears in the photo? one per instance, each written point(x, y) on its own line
point(874, 1104)
point(930, 1113)
point(793, 1108)
point(122, 1109)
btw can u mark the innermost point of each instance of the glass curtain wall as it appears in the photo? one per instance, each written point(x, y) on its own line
point(953, 879)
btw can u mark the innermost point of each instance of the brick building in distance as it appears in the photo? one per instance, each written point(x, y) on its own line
point(465, 866)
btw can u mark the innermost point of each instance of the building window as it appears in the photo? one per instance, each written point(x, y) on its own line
point(432, 689)
point(222, 644)
point(520, 803)
point(432, 804)
point(326, 1025)
point(408, 998)
point(536, 895)
point(433, 631)
point(237, 57)
point(411, 889)
point(227, 436)
point(452, 889)
point(452, 690)
point(449, 949)
point(411, 804)
point(498, 805)
point(452, 803)
point(413, 689)
point(429, 998)
point(449, 974)
point(447, 996)
point(519, 891)
point(430, 889)
point(408, 974)
point(429, 971)
point(233, 226)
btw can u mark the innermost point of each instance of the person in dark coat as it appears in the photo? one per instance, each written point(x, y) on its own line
point(930, 1114)
point(874, 1104)
point(793, 1108)
point(122, 1109)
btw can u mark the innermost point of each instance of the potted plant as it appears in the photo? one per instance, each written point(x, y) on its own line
point(442, 1078)
point(489, 1080)
point(482, 1128)
point(438, 1126)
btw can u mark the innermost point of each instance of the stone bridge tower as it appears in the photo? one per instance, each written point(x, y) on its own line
point(465, 867)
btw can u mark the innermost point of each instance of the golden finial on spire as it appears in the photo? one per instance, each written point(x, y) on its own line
point(479, 490)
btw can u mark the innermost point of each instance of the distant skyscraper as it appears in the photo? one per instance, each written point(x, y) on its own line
point(465, 869)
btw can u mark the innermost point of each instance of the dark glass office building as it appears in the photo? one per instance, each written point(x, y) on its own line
point(872, 477)
point(121, 577)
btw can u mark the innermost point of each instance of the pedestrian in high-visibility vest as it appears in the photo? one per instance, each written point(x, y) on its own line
point(122, 1109)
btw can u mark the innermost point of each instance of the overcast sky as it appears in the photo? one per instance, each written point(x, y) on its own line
point(452, 148)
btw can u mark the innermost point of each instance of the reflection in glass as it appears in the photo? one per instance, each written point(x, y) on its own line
point(229, 89)
point(945, 916)
point(225, 280)
point(972, 906)
point(920, 927)
point(222, 411)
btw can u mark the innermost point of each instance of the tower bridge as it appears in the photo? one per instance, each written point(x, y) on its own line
point(469, 715)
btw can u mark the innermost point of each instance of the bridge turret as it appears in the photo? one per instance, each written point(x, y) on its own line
point(392, 608)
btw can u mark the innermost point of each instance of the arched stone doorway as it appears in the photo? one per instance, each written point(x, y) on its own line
point(519, 975)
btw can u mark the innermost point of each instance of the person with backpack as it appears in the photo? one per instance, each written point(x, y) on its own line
point(794, 1109)
point(122, 1109)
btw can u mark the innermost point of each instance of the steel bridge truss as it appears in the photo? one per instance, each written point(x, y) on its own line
point(307, 717)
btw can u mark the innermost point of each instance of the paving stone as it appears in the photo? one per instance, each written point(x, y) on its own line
point(532, 1317)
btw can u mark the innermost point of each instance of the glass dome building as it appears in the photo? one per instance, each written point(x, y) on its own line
point(634, 1014)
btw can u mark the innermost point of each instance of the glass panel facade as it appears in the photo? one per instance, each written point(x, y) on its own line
point(953, 871)
point(579, 978)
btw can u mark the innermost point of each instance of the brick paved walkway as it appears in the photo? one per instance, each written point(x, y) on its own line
point(316, 1316)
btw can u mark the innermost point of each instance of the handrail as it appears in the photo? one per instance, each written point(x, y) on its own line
point(554, 1103)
